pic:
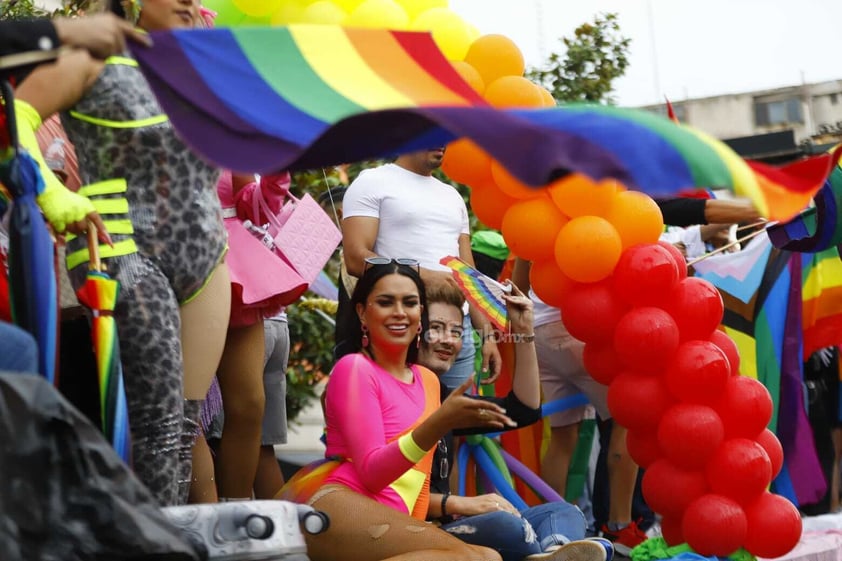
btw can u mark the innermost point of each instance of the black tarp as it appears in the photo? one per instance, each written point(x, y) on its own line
point(64, 493)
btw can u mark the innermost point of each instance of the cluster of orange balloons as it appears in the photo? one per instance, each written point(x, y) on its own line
point(494, 66)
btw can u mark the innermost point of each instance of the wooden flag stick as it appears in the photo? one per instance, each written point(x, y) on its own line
point(726, 247)
point(754, 224)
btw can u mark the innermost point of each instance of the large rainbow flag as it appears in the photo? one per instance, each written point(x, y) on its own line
point(817, 228)
point(767, 328)
point(821, 300)
point(308, 96)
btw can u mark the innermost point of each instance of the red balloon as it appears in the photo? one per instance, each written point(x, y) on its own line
point(677, 257)
point(697, 372)
point(637, 401)
point(601, 362)
point(671, 530)
point(739, 469)
point(774, 450)
point(645, 274)
point(714, 525)
point(697, 308)
point(745, 407)
point(689, 434)
point(646, 338)
point(729, 347)
point(590, 311)
point(669, 490)
point(643, 447)
point(774, 526)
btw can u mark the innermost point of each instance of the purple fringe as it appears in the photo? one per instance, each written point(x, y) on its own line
point(212, 406)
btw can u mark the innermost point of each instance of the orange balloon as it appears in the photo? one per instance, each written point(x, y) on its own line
point(636, 217)
point(510, 185)
point(513, 91)
point(469, 74)
point(548, 282)
point(466, 163)
point(494, 56)
point(587, 249)
point(549, 100)
point(578, 195)
point(490, 204)
point(530, 228)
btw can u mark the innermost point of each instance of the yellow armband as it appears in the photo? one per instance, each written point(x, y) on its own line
point(60, 205)
point(410, 449)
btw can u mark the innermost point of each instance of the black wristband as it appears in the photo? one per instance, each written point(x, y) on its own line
point(444, 504)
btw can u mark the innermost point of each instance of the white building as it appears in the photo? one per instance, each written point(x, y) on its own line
point(804, 115)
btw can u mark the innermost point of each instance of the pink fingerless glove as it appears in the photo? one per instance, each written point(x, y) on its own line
point(272, 188)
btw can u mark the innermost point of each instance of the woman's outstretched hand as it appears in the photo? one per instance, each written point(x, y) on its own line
point(460, 411)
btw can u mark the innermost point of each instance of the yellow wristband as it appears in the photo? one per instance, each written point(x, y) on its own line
point(410, 449)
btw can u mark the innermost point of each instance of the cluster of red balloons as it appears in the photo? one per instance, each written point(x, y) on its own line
point(651, 334)
point(697, 426)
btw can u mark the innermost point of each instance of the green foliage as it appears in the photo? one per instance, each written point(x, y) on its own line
point(17, 9)
point(594, 57)
point(310, 356)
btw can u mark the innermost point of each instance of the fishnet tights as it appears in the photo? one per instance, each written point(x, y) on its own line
point(364, 530)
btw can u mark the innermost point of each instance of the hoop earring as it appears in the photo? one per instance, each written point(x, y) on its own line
point(418, 339)
point(364, 340)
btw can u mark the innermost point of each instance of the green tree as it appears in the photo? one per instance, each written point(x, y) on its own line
point(594, 57)
point(15, 9)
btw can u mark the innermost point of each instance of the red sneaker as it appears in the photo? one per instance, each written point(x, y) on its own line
point(626, 539)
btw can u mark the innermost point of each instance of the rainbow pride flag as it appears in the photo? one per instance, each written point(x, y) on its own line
point(262, 99)
point(485, 293)
point(817, 228)
point(821, 300)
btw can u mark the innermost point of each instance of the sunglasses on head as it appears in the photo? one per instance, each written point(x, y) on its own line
point(405, 261)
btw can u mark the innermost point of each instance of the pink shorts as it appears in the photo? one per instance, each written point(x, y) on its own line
point(563, 373)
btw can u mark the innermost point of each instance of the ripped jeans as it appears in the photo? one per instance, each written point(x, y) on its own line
point(515, 537)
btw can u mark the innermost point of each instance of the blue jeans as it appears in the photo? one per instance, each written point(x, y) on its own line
point(463, 366)
point(18, 350)
point(515, 537)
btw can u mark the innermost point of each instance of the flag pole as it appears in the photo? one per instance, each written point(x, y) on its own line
point(726, 247)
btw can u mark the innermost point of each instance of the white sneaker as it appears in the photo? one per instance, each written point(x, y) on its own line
point(582, 550)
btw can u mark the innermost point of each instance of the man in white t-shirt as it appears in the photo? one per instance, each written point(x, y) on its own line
point(400, 210)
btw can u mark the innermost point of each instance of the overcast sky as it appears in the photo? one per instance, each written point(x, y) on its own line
point(682, 48)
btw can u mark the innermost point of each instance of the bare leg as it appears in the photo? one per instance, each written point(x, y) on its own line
point(836, 436)
point(556, 462)
point(204, 323)
point(364, 530)
point(204, 326)
point(269, 479)
point(240, 377)
point(203, 486)
point(622, 474)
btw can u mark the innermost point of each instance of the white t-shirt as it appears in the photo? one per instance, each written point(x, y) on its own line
point(420, 217)
point(543, 312)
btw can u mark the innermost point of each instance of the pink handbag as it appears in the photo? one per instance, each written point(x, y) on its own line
point(303, 234)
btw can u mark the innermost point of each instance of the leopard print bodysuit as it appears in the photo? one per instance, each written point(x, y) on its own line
point(175, 220)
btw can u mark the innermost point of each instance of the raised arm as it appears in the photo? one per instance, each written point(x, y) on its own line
point(49, 89)
point(359, 233)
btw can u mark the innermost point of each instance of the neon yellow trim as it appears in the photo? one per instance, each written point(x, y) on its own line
point(207, 280)
point(107, 187)
point(122, 60)
point(124, 247)
point(410, 449)
point(408, 486)
point(139, 123)
point(111, 206)
point(122, 226)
